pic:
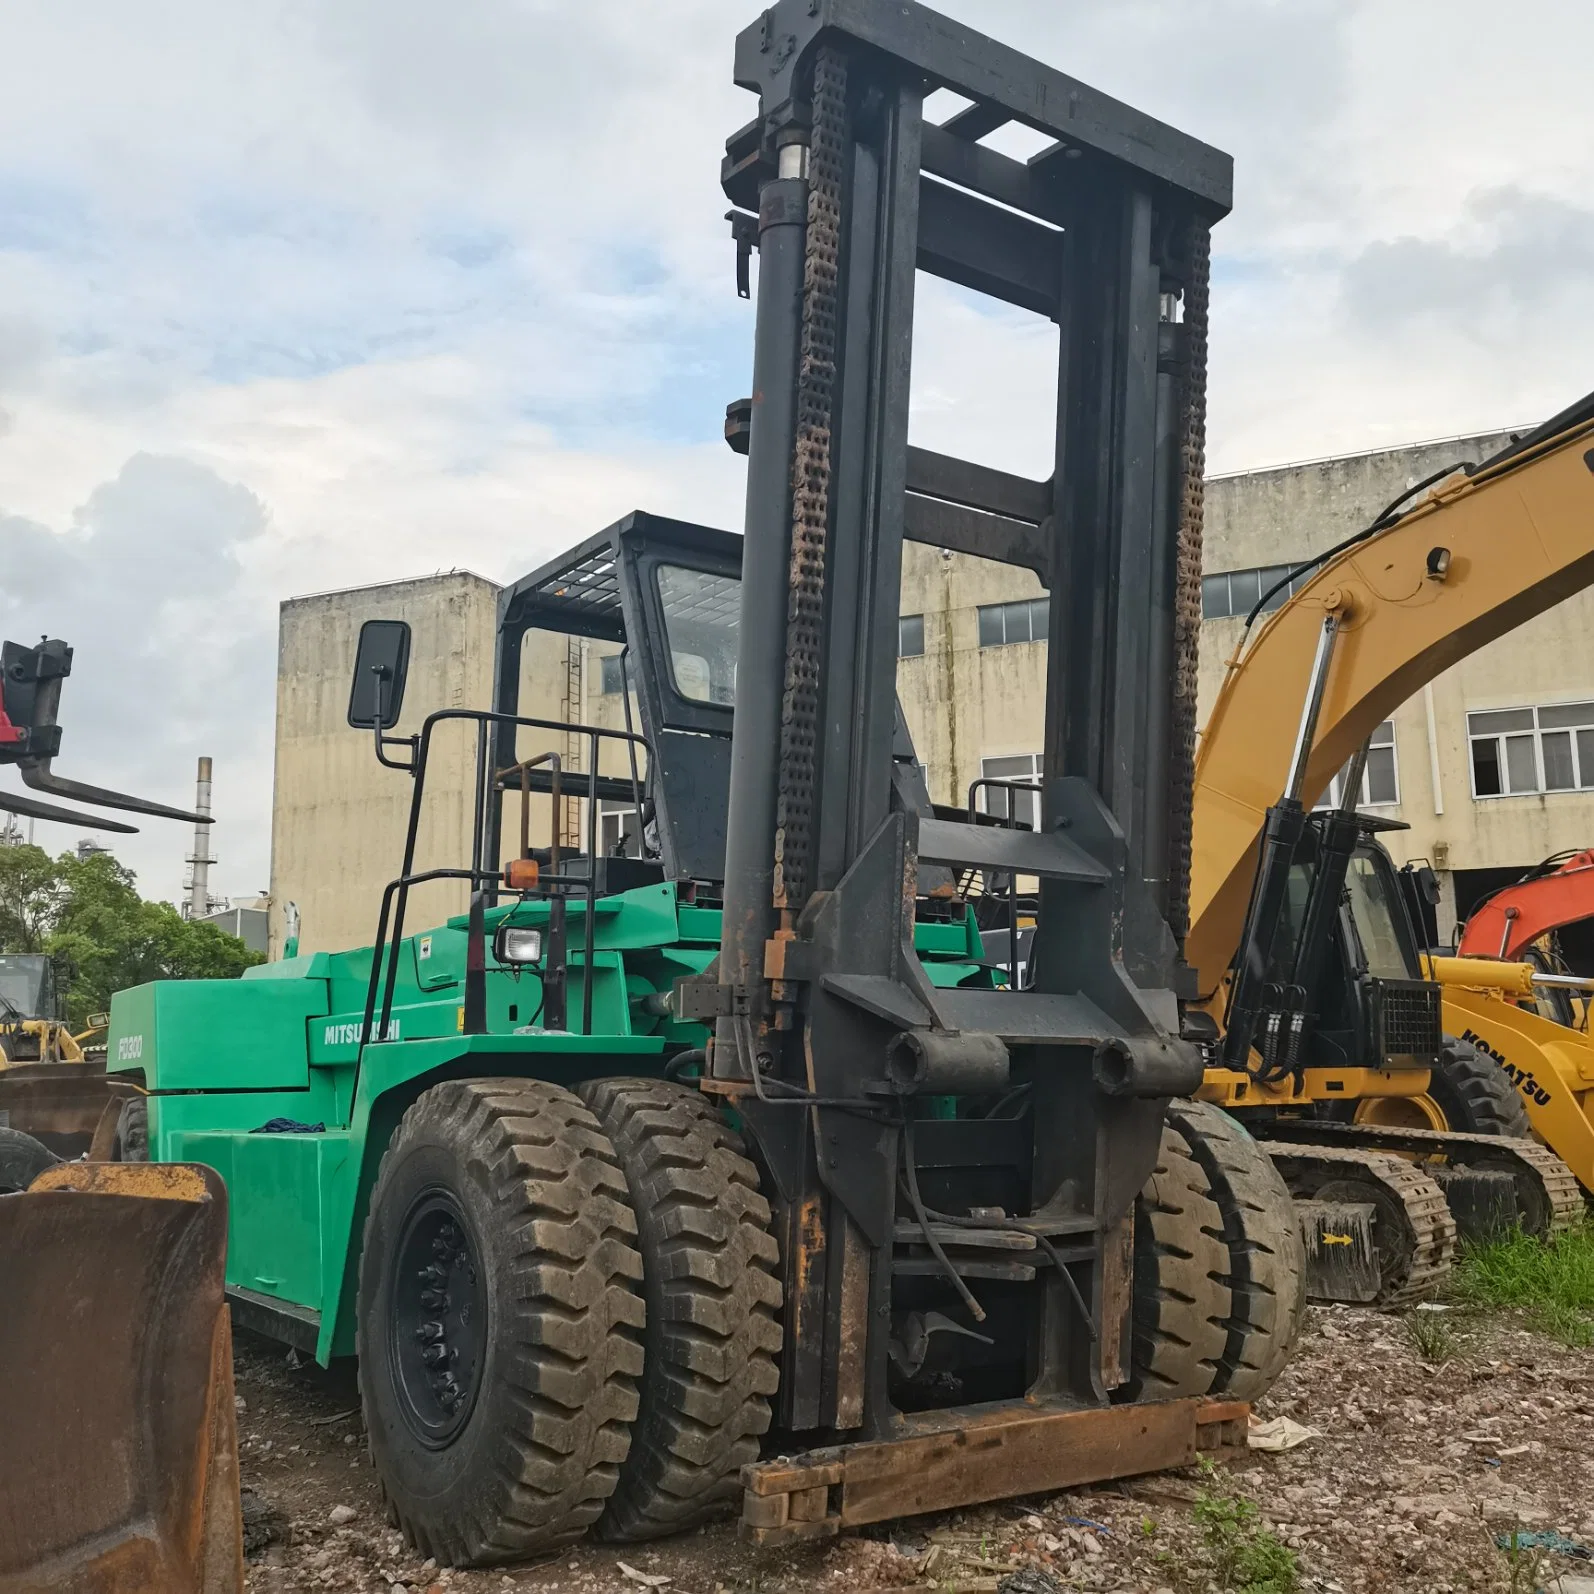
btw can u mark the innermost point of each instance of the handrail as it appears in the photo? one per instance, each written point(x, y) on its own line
point(485, 879)
point(1008, 821)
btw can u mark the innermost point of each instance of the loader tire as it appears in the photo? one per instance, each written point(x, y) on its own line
point(1182, 1300)
point(713, 1299)
point(1475, 1094)
point(1266, 1253)
point(22, 1160)
point(500, 1320)
point(132, 1131)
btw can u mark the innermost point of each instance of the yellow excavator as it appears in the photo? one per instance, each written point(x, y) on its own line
point(1364, 1066)
point(119, 1469)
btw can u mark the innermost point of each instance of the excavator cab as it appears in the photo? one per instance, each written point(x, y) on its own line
point(1388, 1012)
point(1343, 985)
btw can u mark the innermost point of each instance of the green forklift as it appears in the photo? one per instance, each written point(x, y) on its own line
point(709, 1159)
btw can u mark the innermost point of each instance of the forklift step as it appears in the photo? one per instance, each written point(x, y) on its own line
point(962, 1458)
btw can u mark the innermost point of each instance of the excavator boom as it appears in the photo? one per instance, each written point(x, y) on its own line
point(1506, 924)
point(1483, 552)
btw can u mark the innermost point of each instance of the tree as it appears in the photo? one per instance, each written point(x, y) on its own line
point(87, 914)
point(30, 895)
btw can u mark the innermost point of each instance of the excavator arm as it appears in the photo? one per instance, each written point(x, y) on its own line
point(1510, 921)
point(1484, 551)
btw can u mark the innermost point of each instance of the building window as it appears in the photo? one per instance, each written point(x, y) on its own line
point(910, 636)
point(1003, 803)
point(1516, 751)
point(1237, 591)
point(619, 834)
point(611, 673)
point(1003, 623)
point(1381, 778)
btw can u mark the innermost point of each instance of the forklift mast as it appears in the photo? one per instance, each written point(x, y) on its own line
point(869, 1096)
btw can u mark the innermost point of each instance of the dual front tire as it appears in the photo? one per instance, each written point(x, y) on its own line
point(539, 1267)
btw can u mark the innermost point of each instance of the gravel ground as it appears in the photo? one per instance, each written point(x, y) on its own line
point(1417, 1470)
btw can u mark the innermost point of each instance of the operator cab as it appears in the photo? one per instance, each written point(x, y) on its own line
point(1387, 1011)
point(637, 787)
point(28, 1005)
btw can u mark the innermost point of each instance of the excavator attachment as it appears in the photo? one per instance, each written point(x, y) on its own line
point(119, 1470)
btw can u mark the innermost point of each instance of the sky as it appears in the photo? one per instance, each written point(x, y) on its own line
point(304, 294)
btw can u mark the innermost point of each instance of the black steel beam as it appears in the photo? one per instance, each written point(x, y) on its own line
point(961, 481)
point(997, 176)
point(773, 55)
point(981, 246)
point(975, 121)
point(970, 531)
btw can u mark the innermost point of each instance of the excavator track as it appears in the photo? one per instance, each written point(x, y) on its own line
point(1413, 1233)
point(1548, 1197)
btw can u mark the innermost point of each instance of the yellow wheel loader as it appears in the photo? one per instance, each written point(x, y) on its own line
point(1326, 1031)
point(32, 1027)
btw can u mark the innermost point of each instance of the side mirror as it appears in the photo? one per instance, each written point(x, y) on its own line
point(380, 666)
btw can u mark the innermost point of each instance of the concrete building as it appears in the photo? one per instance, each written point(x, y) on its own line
point(1492, 766)
point(248, 920)
point(338, 816)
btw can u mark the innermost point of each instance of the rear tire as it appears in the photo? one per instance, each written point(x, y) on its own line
point(22, 1160)
point(500, 1326)
point(1266, 1272)
point(709, 1279)
point(1182, 1300)
point(1475, 1094)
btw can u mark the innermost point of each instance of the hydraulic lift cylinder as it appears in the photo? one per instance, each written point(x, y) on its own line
point(766, 560)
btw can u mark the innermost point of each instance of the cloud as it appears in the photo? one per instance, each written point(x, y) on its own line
point(304, 296)
point(167, 664)
point(1515, 257)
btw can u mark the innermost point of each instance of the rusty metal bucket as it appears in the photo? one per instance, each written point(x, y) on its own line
point(62, 1105)
point(118, 1440)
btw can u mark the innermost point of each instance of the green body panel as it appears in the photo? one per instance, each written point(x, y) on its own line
point(279, 1240)
point(217, 1034)
point(222, 1058)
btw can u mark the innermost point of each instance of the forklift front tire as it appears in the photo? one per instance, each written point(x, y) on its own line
point(500, 1321)
point(709, 1275)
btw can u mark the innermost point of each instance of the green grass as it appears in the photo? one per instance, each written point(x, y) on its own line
point(1431, 1336)
point(1522, 1564)
point(1246, 1557)
point(1551, 1281)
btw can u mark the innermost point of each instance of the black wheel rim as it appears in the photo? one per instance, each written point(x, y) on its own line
point(437, 1318)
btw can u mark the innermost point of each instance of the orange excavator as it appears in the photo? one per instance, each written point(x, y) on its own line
point(1522, 921)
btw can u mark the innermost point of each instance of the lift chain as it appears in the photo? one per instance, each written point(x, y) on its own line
point(1187, 604)
point(810, 481)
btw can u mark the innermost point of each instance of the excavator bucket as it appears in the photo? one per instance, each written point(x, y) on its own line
point(119, 1467)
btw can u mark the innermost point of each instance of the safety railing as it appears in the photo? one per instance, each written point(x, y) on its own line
point(484, 875)
point(1008, 821)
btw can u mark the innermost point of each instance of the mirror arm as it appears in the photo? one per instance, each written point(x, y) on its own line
point(407, 764)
